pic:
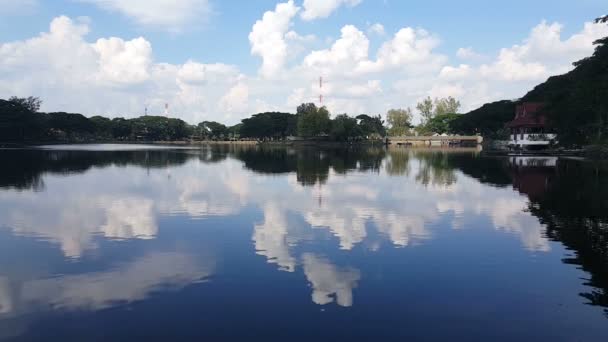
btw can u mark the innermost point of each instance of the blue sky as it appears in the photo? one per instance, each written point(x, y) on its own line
point(213, 32)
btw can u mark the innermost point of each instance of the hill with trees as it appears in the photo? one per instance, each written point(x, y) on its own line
point(577, 104)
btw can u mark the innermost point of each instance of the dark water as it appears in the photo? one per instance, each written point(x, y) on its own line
point(243, 243)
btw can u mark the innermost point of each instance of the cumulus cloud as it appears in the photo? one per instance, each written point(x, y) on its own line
point(315, 9)
point(544, 53)
point(124, 62)
point(168, 15)
point(267, 38)
point(410, 48)
point(114, 77)
point(516, 69)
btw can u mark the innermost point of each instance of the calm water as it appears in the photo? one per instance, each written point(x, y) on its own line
point(226, 242)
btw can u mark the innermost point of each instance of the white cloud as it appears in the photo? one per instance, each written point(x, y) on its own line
point(124, 62)
point(410, 49)
point(544, 53)
point(345, 55)
point(315, 9)
point(168, 15)
point(468, 54)
point(116, 76)
point(377, 28)
point(517, 69)
point(267, 38)
point(236, 99)
point(460, 72)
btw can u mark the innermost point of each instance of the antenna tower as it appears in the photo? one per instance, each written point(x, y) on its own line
point(321, 91)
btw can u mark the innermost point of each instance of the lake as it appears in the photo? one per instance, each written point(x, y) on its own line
point(226, 242)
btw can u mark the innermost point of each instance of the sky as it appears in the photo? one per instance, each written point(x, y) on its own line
point(224, 60)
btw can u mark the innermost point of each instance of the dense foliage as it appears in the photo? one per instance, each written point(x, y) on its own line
point(441, 123)
point(489, 120)
point(313, 121)
point(19, 122)
point(578, 101)
point(577, 104)
point(269, 125)
point(400, 121)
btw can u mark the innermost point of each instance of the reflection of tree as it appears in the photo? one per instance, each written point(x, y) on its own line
point(311, 164)
point(487, 170)
point(574, 211)
point(570, 200)
point(398, 162)
point(312, 167)
point(268, 159)
point(23, 169)
point(435, 169)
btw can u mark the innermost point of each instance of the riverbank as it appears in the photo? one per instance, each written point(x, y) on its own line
point(591, 152)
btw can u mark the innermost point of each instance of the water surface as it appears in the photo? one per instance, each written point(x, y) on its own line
point(243, 242)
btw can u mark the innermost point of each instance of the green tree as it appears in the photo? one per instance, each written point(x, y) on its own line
point(103, 127)
point(215, 130)
point(489, 120)
point(313, 121)
point(447, 105)
point(426, 109)
point(31, 103)
point(269, 125)
point(343, 128)
point(400, 121)
point(371, 126)
point(441, 123)
point(121, 128)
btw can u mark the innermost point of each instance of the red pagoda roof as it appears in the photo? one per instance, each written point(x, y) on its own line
point(529, 114)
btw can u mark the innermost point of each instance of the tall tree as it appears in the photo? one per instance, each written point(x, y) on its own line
point(313, 121)
point(447, 105)
point(426, 109)
point(400, 121)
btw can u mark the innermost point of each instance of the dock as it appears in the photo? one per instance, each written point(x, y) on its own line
point(440, 140)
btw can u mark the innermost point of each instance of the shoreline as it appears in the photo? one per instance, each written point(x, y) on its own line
point(591, 152)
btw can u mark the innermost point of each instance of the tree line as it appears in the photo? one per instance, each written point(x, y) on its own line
point(22, 121)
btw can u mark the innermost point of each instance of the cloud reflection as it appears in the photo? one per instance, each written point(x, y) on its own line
point(402, 201)
point(330, 282)
point(126, 283)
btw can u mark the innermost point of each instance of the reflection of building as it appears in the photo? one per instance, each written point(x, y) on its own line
point(529, 129)
point(532, 175)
